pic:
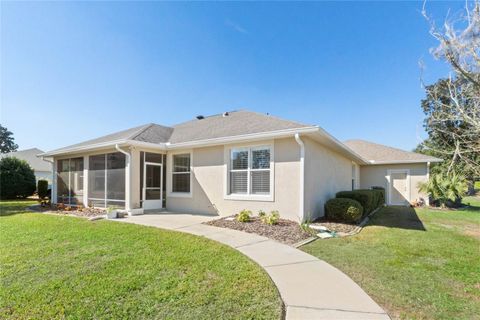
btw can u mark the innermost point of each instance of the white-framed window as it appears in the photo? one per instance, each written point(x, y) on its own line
point(181, 175)
point(250, 171)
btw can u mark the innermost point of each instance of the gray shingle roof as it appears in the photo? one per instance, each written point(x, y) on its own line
point(383, 154)
point(30, 155)
point(147, 133)
point(216, 126)
point(236, 123)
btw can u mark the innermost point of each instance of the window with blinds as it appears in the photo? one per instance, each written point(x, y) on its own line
point(250, 171)
point(181, 173)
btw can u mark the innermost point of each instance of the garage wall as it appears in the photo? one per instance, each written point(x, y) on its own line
point(376, 175)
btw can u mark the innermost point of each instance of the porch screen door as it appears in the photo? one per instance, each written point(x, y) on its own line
point(152, 185)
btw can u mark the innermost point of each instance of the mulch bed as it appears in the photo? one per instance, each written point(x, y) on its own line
point(74, 211)
point(285, 231)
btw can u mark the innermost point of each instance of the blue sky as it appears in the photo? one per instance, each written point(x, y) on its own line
point(75, 71)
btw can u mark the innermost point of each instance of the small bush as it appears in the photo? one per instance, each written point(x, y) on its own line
point(42, 189)
point(272, 218)
point(344, 209)
point(17, 179)
point(261, 213)
point(244, 216)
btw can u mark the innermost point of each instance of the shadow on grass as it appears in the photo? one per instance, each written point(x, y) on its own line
point(11, 207)
point(397, 217)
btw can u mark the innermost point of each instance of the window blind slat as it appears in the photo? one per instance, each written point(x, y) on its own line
point(260, 182)
point(239, 182)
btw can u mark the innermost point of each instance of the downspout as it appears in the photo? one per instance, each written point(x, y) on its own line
point(53, 191)
point(128, 194)
point(301, 204)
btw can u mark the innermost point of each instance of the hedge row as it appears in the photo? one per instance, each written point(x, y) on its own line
point(370, 199)
point(343, 209)
point(350, 206)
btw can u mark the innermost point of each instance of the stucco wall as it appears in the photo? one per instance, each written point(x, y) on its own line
point(209, 179)
point(376, 175)
point(326, 173)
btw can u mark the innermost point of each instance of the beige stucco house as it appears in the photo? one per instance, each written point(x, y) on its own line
point(224, 163)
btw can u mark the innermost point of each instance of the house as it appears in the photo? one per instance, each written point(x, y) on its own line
point(42, 168)
point(224, 163)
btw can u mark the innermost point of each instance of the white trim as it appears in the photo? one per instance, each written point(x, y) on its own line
point(242, 138)
point(389, 179)
point(102, 145)
point(144, 186)
point(373, 162)
point(85, 180)
point(170, 193)
point(128, 182)
point(227, 163)
point(301, 204)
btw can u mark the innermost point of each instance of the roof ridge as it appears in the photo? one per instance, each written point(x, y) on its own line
point(140, 131)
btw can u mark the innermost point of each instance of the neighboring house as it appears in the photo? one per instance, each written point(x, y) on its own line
point(42, 168)
point(224, 163)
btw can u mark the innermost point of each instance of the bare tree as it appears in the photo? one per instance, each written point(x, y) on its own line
point(453, 106)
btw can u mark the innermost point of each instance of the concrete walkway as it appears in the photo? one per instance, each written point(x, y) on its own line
point(309, 287)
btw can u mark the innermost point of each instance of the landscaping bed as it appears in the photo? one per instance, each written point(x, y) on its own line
point(79, 211)
point(285, 231)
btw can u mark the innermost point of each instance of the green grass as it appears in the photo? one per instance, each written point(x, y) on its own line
point(417, 264)
point(55, 267)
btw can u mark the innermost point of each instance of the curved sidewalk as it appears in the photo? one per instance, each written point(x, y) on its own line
point(309, 287)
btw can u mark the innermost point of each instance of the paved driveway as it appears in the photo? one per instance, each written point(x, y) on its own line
point(309, 287)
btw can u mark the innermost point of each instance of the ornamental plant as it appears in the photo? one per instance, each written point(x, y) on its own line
point(272, 218)
point(244, 216)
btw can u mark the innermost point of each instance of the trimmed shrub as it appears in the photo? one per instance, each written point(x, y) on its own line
point(370, 199)
point(381, 191)
point(42, 189)
point(365, 198)
point(17, 179)
point(344, 209)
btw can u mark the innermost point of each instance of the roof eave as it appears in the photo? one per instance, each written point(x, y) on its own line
point(103, 145)
point(242, 138)
point(373, 162)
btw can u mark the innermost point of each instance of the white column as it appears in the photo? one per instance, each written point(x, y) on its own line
point(85, 181)
point(128, 194)
point(54, 181)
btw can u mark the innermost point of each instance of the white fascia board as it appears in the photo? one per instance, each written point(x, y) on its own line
point(96, 146)
point(242, 138)
point(373, 162)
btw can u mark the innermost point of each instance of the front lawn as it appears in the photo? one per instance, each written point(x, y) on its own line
point(54, 267)
point(417, 264)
